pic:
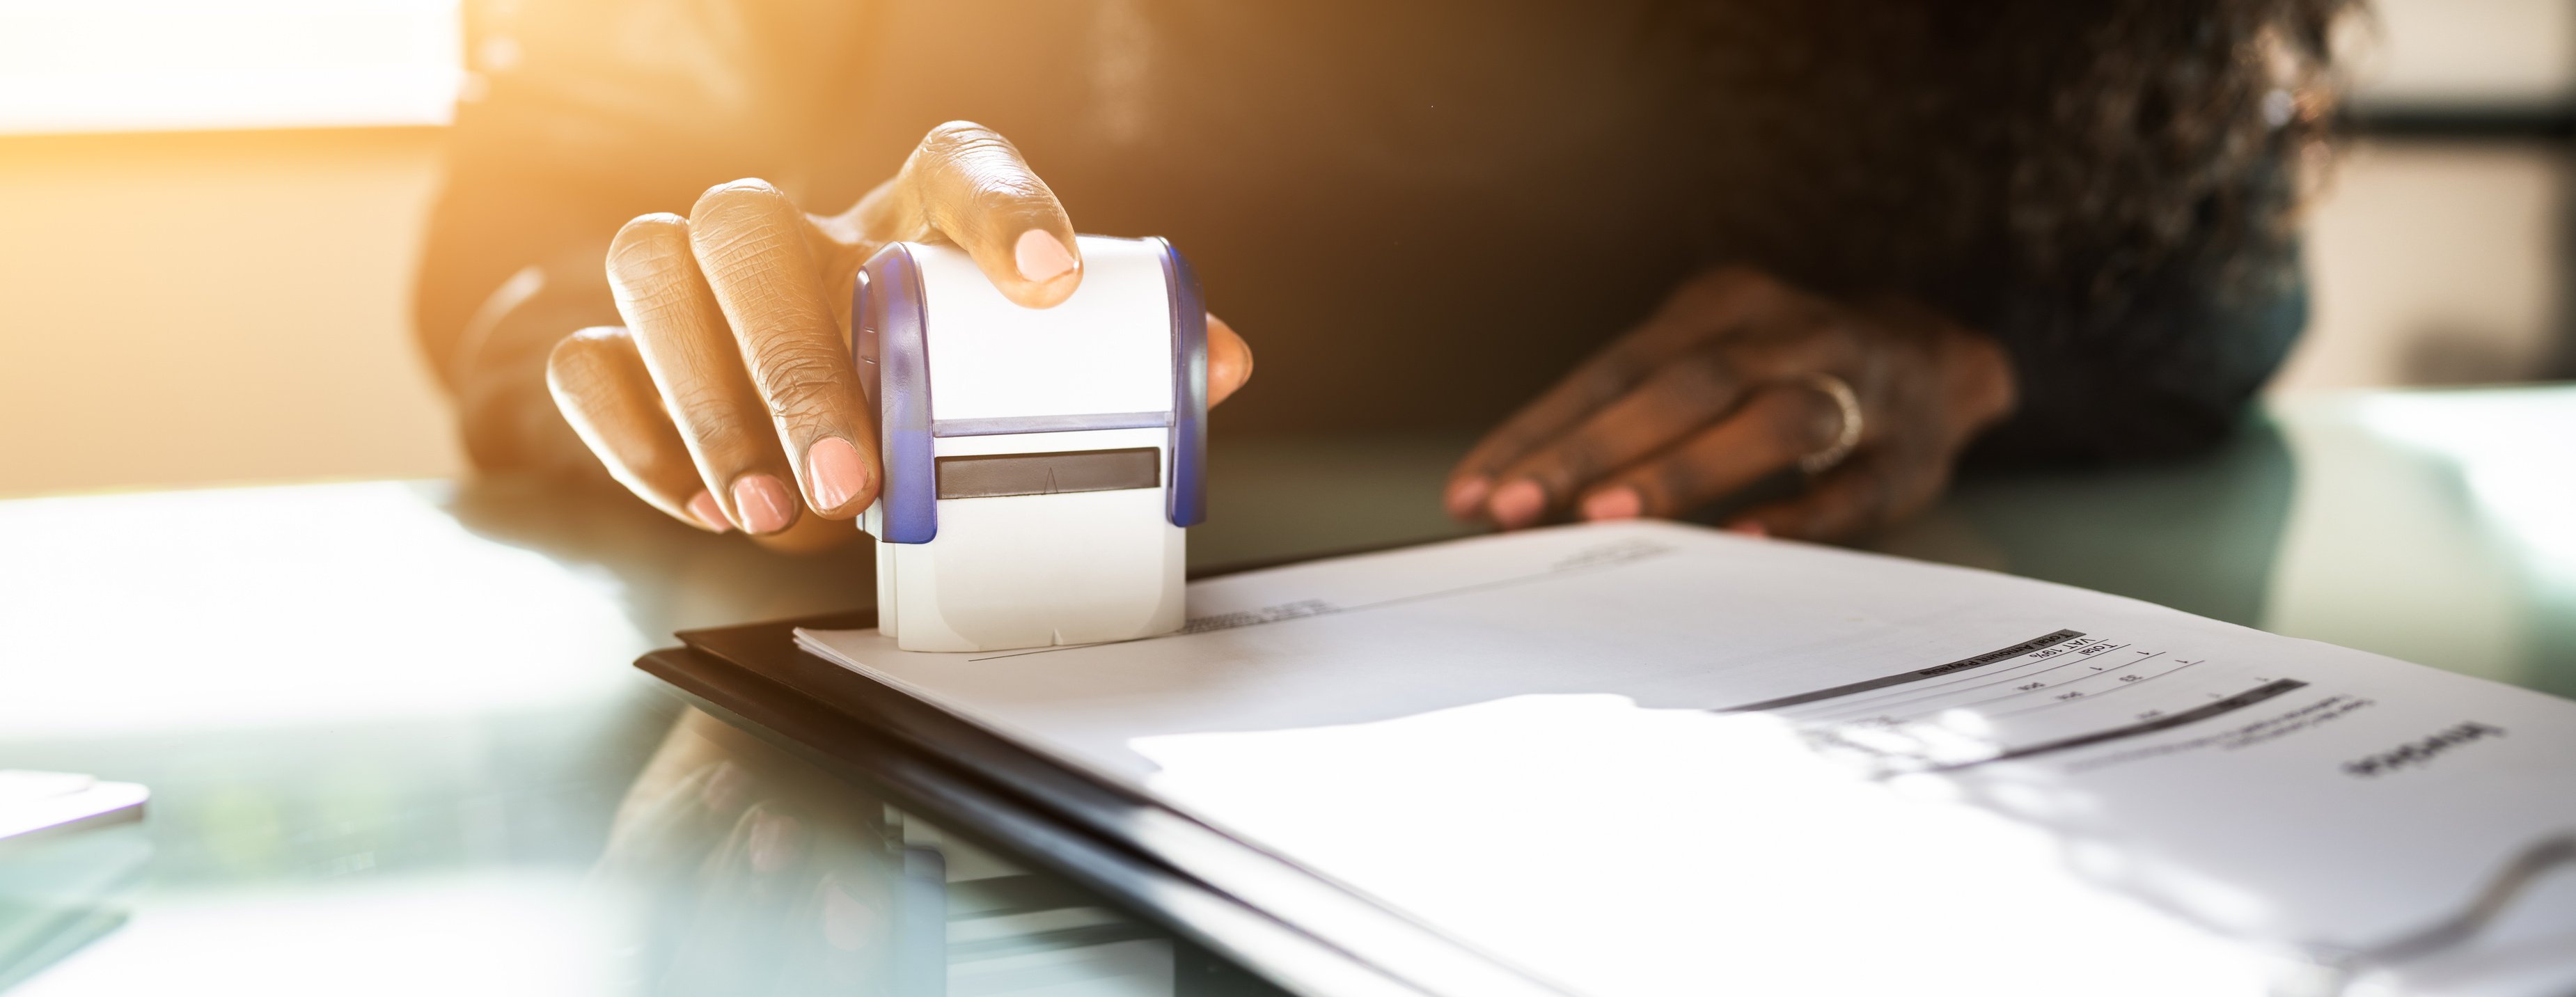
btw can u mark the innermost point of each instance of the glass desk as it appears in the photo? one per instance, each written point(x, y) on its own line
point(396, 746)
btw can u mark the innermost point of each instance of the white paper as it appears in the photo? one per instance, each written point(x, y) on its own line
point(1539, 744)
point(32, 801)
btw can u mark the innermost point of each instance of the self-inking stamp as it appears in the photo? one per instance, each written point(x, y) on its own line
point(1041, 464)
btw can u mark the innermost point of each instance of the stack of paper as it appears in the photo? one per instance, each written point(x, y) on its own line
point(1648, 758)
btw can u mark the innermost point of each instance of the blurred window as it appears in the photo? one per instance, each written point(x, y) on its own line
point(185, 65)
point(2466, 53)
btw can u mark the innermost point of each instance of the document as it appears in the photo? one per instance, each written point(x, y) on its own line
point(1648, 758)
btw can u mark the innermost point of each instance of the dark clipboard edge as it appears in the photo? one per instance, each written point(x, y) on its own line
point(1140, 854)
point(994, 819)
point(1065, 810)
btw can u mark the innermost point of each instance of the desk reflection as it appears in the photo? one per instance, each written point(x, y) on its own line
point(388, 726)
point(743, 869)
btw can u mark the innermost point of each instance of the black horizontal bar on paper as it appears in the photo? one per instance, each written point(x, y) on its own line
point(2040, 642)
point(997, 475)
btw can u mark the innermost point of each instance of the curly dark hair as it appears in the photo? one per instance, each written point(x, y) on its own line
point(2068, 148)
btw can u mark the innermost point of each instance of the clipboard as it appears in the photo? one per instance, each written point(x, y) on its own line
point(1300, 931)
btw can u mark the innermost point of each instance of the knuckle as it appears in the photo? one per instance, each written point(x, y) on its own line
point(956, 132)
point(746, 187)
point(1677, 479)
point(1759, 286)
point(668, 312)
point(572, 382)
point(704, 408)
point(725, 447)
point(965, 143)
point(1005, 199)
point(606, 339)
point(731, 251)
point(1005, 182)
point(1492, 454)
point(735, 198)
point(649, 227)
point(1577, 459)
point(1730, 281)
point(1737, 276)
point(979, 165)
point(802, 380)
point(1697, 377)
point(1600, 382)
point(1829, 337)
point(1604, 379)
point(585, 352)
point(715, 435)
point(649, 245)
point(1781, 352)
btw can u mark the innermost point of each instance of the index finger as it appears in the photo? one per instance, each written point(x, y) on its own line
point(969, 184)
point(751, 244)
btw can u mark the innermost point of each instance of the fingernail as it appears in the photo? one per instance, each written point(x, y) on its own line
point(838, 472)
point(775, 841)
point(1748, 527)
point(1467, 495)
point(705, 508)
point(1518, 504)
point(848, 923)
point(763, 503)
point(1041, 257)
point(1616, 503)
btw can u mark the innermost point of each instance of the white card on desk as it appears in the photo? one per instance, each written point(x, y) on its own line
point(33, 804)
point(1649, 758)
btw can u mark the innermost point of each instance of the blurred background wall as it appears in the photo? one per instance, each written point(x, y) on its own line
point(209, 211)
point(2439, 250)
point(209, 214)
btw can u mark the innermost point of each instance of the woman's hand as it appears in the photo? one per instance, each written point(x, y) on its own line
point(1722, 388)
point(728, 399)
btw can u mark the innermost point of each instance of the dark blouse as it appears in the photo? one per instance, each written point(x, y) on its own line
point(1419, 214)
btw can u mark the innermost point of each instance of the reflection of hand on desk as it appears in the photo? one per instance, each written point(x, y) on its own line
point(753, 871)
point(738, 867)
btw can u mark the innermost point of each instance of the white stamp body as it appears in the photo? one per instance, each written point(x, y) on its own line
point(1041, 465)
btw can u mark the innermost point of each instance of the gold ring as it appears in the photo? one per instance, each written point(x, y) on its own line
point(1845, 440)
